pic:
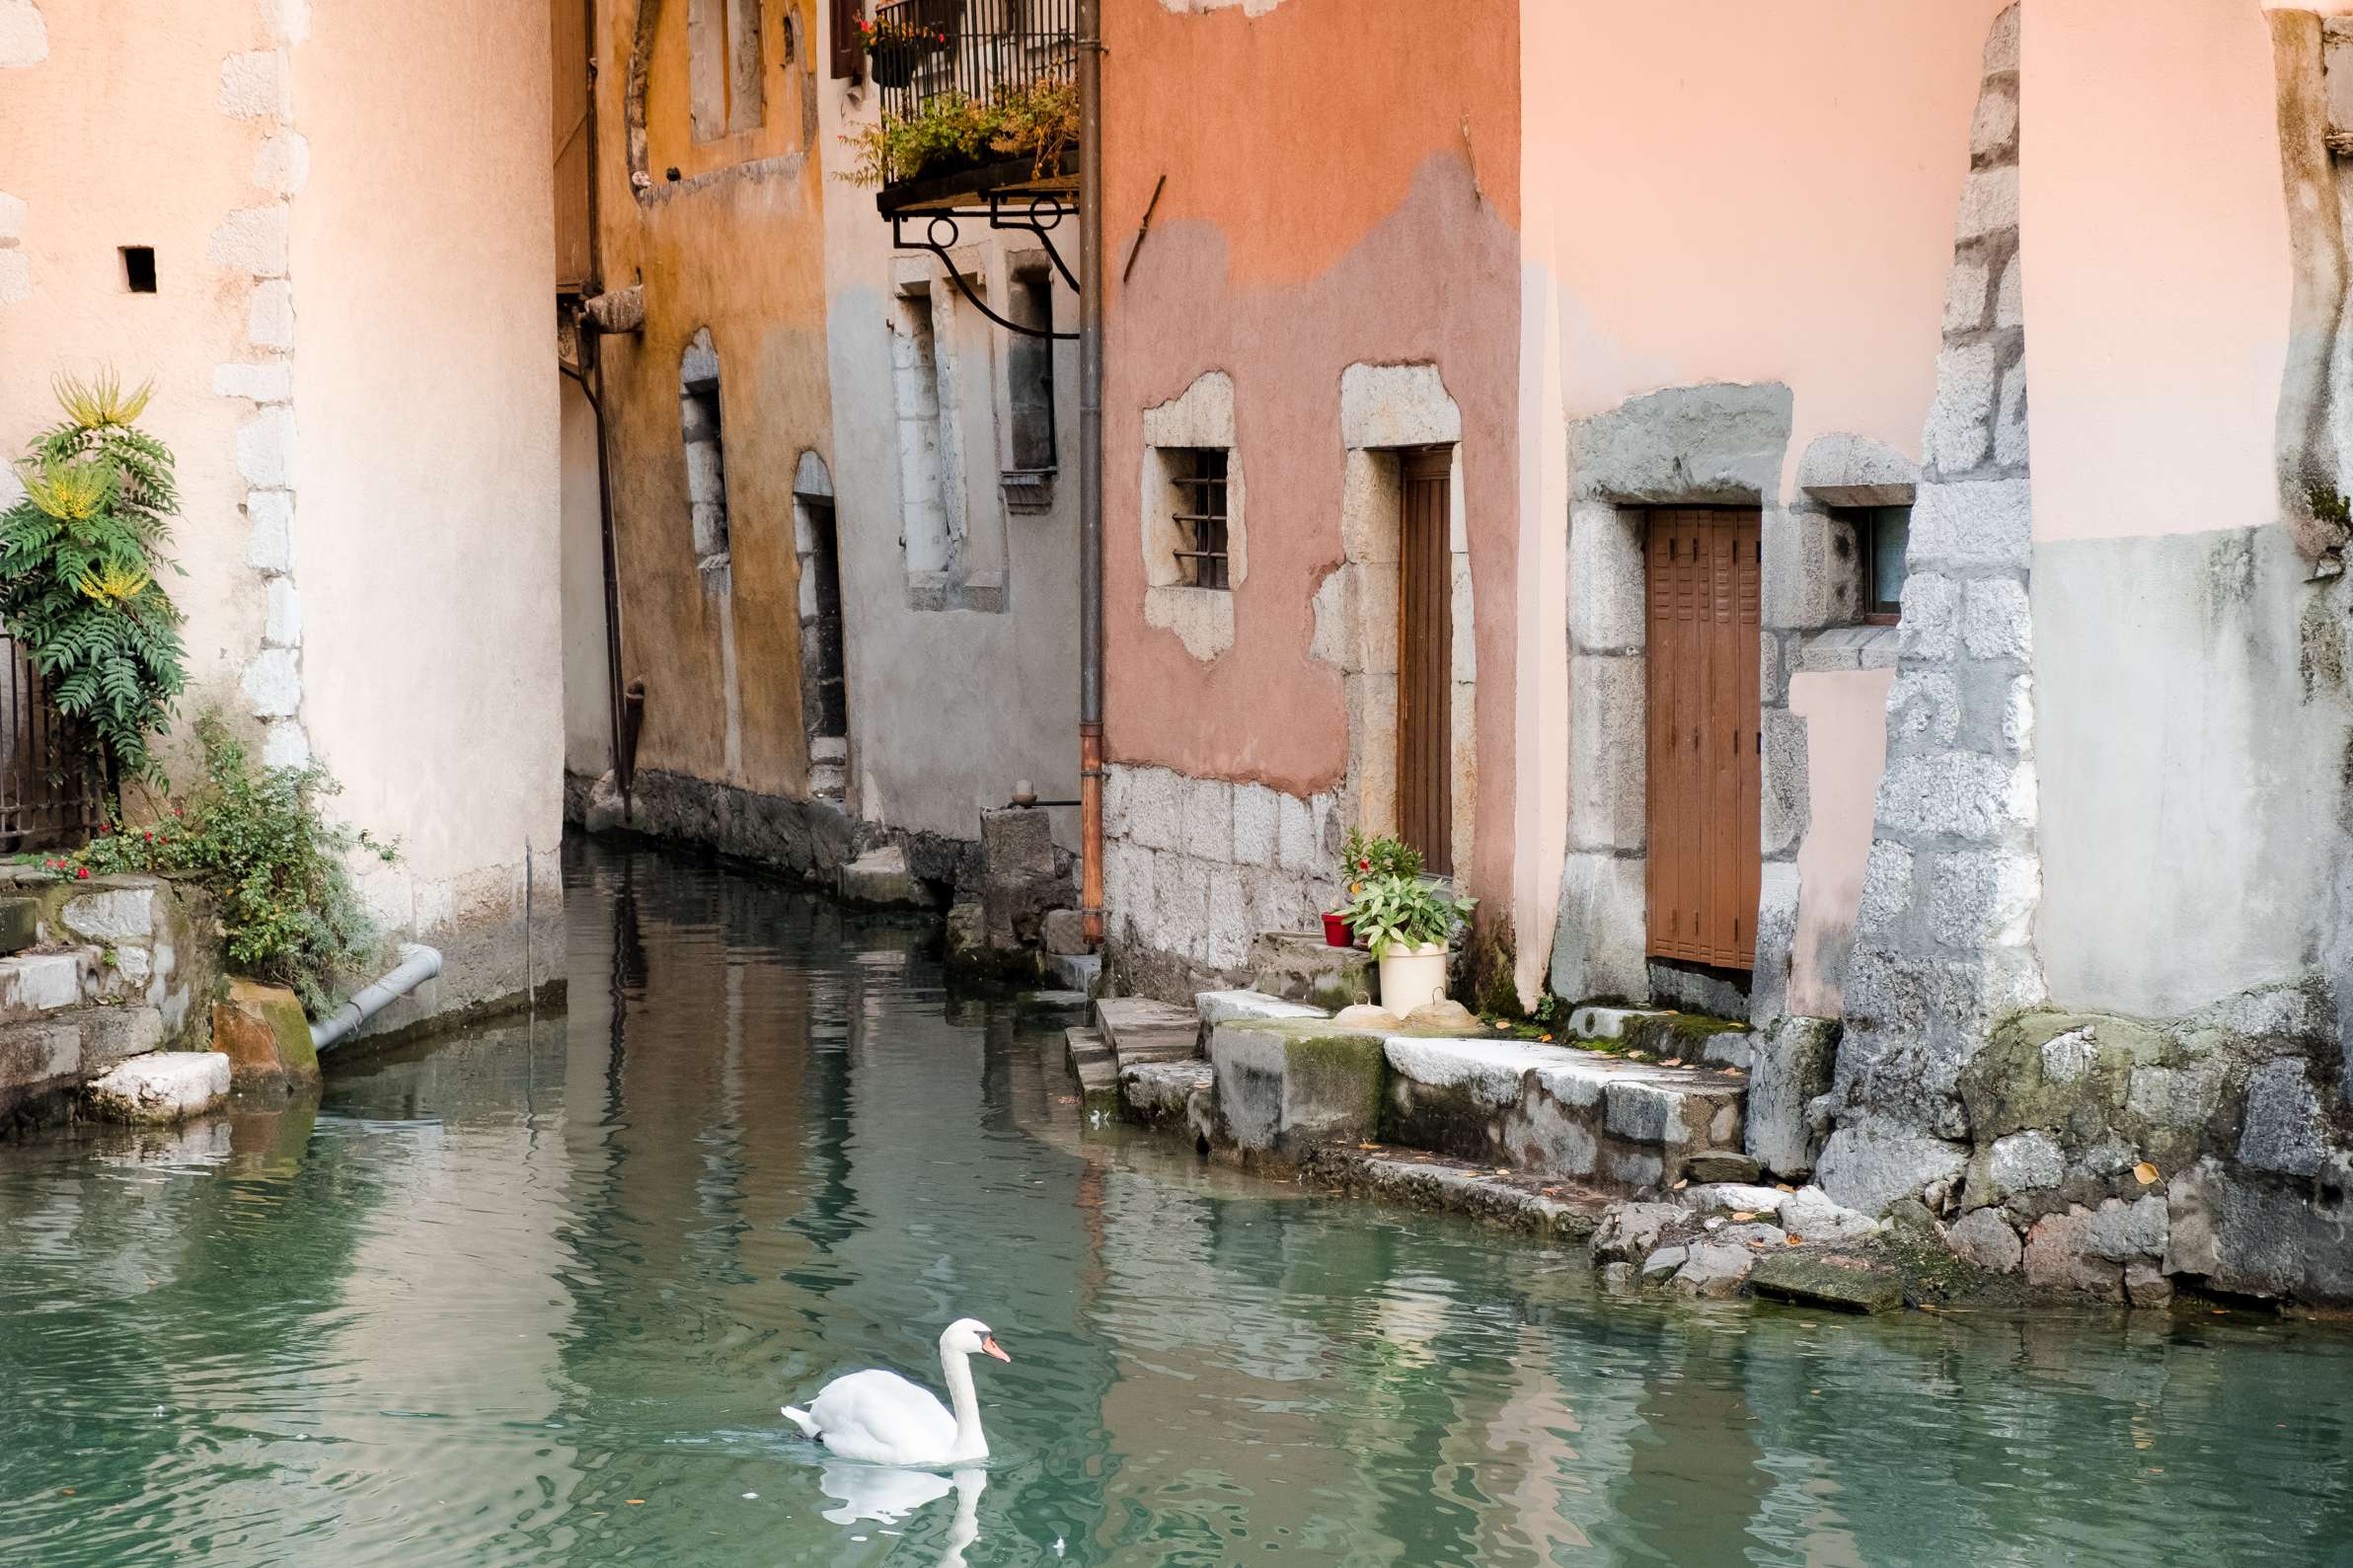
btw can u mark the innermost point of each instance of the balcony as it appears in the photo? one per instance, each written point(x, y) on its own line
point(980, 102)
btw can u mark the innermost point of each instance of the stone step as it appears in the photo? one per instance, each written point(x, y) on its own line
point(1139, 1030)
point(1564, 1112)
point(1168, 1094)
point(1091, 1064)
point(1287, 1087)
point(1080, 972)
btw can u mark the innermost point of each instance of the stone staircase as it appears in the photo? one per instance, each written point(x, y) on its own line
point(1274, 1081)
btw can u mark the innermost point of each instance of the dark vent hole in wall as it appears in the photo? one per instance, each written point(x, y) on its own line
point(138, 268)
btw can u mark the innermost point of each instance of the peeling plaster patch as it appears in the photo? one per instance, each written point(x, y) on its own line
point(253, 240)
point(289, 20)
point(1201, 416)
point(16, 278)
point(23, 36)
point(252, 84)
point(282, 162)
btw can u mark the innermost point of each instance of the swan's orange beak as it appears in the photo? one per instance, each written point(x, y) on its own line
point(993, 1348)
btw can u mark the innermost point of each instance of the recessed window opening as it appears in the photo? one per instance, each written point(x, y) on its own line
point(705, 460)
point(1882, 534)
point(1031, 370)
point(138, 268)
point(1201, 477)
point(924, 530)
point(725, 90)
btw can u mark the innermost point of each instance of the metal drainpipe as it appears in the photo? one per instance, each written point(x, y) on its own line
point(1090, 369)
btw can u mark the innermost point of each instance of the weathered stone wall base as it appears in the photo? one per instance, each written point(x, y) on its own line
point(1195, 868)
point(2120, 1158)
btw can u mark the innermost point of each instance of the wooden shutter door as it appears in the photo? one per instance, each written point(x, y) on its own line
point(1425, 658)
point(1703, 751)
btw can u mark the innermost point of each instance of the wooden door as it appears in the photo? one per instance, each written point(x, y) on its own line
point(1425, 658)
point(1703, 750)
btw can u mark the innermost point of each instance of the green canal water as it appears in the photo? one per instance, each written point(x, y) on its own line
point(533, 1295)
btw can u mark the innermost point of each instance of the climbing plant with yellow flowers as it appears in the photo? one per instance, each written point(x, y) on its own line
point(80, 553)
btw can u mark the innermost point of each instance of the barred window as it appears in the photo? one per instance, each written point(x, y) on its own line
point(1199, 474)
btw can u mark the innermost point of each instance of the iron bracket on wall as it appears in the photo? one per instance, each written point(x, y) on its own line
point(1031, 212)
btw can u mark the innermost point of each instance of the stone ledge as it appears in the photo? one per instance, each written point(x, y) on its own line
point(1849, 647)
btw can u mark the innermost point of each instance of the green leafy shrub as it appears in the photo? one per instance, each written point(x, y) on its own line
point(79, 555)
point(1379, 854)
point(257, 841)
point(1036, 119)
point(1392, 911)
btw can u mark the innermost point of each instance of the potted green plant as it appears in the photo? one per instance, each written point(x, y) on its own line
point(1408, 922)
point(896, 49)
point(1368, 855)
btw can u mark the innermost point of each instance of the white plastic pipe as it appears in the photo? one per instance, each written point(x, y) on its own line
point(418, 965)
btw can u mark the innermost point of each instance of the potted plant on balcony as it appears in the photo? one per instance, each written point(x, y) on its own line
point(896, 49)
point(1408, 922)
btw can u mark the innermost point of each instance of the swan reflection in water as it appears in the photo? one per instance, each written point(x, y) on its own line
point(888, 1496)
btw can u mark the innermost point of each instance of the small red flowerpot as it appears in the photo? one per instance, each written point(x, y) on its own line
point(1336, 932)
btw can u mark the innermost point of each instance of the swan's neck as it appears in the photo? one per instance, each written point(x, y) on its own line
point(957, 1370)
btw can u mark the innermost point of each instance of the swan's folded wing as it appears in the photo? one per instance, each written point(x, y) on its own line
point(882, 1416)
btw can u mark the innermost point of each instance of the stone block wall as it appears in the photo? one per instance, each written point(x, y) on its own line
point(1944, 940)
point(107, 970)
point(1195, 869)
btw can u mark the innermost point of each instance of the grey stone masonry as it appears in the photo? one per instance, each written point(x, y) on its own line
point(1195, 868)
point(1943, 941)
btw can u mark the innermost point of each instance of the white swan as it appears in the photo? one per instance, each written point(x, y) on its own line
point(882, 1418)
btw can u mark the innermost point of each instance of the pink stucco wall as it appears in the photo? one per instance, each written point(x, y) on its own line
point(2157, 275)
point(1846, 747)
point(1725, 191)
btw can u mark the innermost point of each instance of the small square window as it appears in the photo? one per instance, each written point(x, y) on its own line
point(1199, 474)
point(1882, 534)
point(138, 268)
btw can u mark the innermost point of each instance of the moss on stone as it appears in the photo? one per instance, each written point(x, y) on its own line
point(2019, 1083)
point(1673, 1034)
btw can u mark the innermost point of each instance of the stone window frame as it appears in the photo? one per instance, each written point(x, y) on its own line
point(703, 425)
point(1200, 418)
point(638, 138)
point(1386, 411)
point(966, 377)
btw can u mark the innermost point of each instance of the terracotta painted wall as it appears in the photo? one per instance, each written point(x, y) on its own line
point(1724, 191)
point(1343, 184)
point(735, 245)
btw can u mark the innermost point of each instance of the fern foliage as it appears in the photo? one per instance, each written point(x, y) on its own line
point(79, 558)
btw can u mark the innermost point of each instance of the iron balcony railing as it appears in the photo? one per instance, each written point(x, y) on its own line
point(979, 48)
point(49, 793)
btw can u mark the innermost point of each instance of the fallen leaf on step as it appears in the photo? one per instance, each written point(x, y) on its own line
point(1743, 1216)
point(2144, 1172)
point(1795, 1240)
point(1502, 1171)
point(1672, 1060)
point(1368, 1146)
point(1783, 1186)
point(1680, 1185)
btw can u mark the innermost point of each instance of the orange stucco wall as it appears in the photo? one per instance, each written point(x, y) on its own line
point(1342, 188)
point(735, 245)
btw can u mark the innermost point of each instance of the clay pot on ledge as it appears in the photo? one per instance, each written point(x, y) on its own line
point(1336, 931)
